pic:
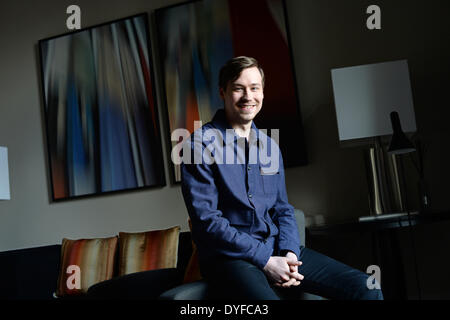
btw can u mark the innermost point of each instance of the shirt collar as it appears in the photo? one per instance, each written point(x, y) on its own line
point(220, 122)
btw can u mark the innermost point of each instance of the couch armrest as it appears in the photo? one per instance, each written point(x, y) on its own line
point(139, 285)
point(197, 290)
point(300, 217)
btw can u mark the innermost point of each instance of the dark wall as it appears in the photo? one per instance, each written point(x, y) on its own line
point(329, 34)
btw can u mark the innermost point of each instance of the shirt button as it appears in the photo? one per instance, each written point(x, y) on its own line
point(248, 168)
point(250, 195)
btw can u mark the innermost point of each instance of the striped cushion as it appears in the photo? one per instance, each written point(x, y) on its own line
point(89, 260)
point(149, 250)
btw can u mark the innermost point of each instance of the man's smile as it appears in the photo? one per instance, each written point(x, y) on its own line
point(247, 106)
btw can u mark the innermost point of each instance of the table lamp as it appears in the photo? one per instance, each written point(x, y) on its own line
point(4, 175)
point(365, 96)
point(400, 145)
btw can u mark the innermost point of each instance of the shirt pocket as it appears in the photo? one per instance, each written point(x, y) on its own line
point(269, 180)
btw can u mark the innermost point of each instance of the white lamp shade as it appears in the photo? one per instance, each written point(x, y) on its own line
point(4, 174)
point(365, 96)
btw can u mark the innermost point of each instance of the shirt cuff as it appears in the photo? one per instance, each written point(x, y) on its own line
point(290, 246)
point(262, 255)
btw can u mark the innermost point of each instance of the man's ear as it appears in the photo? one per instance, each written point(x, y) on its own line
point(222, 93)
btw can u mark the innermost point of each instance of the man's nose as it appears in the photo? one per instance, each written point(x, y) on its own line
point(247, 94)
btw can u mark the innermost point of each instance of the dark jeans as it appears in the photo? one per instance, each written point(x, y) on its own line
point(324, 276)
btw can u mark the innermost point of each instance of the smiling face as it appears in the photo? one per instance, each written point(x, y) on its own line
point(243, 97)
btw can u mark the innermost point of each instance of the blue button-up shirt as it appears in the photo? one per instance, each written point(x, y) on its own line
point(238, 210)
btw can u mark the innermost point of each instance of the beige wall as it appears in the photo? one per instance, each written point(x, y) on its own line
point(30, 219)
point(324, 35)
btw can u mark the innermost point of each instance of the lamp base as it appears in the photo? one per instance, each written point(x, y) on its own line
point(385, 216)
point(385, 194)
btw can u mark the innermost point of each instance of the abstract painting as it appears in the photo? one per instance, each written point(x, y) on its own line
point(196, 38)
point(100, 111)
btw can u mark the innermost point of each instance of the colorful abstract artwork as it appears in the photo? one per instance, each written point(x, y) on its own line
point(196, 38)
point(100, 111)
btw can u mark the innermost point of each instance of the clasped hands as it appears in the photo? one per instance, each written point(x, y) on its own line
point(283, 271)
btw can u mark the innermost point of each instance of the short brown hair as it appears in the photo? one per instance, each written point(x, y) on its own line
point(233, 68)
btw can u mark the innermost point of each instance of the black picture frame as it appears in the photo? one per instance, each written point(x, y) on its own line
point(100, 109)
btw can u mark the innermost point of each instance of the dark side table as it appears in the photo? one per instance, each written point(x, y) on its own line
point(385, 244)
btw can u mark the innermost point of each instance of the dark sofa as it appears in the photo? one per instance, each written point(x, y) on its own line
point(29, 273)
point(33, 273)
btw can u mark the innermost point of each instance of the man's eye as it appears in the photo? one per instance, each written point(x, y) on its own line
point(237, 89)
